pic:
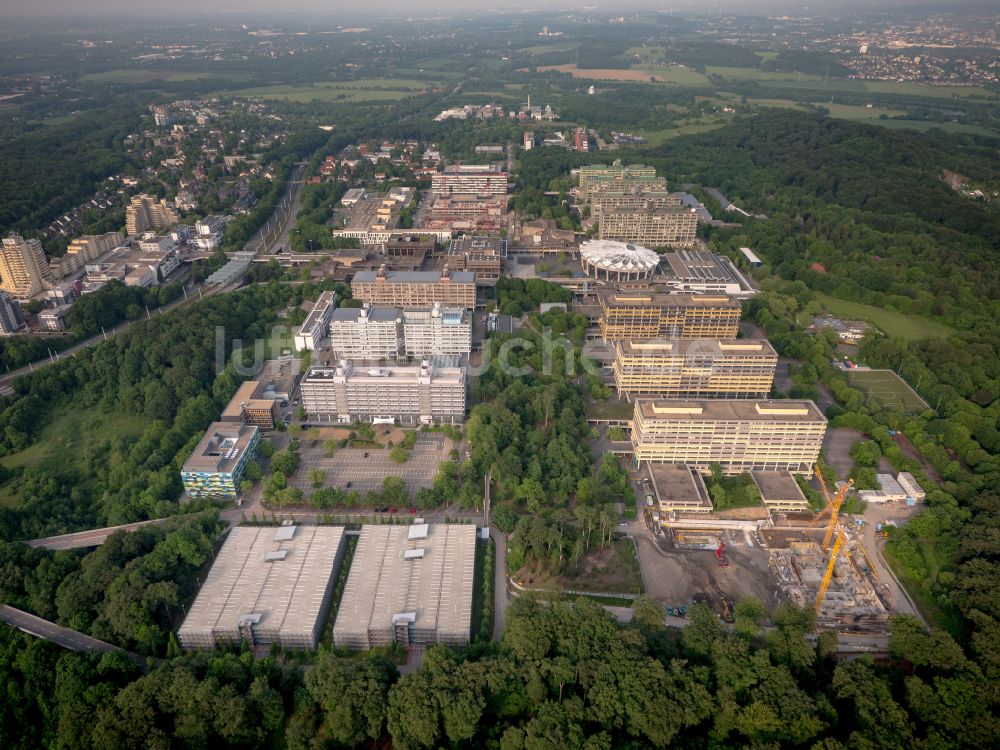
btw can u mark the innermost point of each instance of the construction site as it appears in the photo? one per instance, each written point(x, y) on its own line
point(812, 560)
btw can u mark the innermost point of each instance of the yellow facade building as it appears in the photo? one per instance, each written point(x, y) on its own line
point(642, 315)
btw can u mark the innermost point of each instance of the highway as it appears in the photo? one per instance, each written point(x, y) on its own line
point(68, 639)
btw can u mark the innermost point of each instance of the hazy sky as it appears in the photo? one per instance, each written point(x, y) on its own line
point(77, 8)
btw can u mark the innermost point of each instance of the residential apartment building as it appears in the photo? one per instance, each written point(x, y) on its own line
point(24, 270)
point(470, 179)
point(216, 467)
point(638, 315)
point(312, 332)
point(695, 368)
point(376, 333)
point(739, 435)
point(671, 226)
point(613, 200)
point(90, 247)
point(11, 317)
point(209, 232)
point(411, 395)
point(415, 288)
point(145, 212)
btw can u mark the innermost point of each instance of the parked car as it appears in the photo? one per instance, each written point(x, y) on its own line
point(349, 485)
point(366, 454)
point(393, 510)
point(413, 511)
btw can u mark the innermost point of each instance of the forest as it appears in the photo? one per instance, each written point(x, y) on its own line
point(566, 676)
point(162, 370)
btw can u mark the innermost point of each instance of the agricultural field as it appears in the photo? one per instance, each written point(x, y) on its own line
point(840, 111)
point(542, 49)
point(890, 322)
point(888, 389)
point(643, 74)
point(689, 127)
point(363, 90)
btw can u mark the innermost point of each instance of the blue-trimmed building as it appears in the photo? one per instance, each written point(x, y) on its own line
point(216, 467)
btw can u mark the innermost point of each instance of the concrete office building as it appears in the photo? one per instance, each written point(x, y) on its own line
point(672, 226)
point(483, 256)
point(267, 585)
point(11, 317)
point(613, 200)
point(470, 179)
point(437, 331)
point(311, 333)
point(695, 368)
point(145, 212)
point(779, 492)
point(411, 395)
point(641, 315)
point(617, 177)
point(702, 272)
point(409, 585)
point(215, 468)
point(415, 288)
point(247, 406)
point(738, 435)
point(92, 246)
point(617, 261)
point(677, 488)
point(24, 269)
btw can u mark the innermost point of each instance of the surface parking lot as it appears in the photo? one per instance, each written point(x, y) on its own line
point(364, 469)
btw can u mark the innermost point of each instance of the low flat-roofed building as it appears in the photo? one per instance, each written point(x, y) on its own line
point(780, 492)
point(409, 245)
point(278, 378)
point(702, 272)
point(410, 585)
point(705, 368)
point(215, 468)
point(678, 488)
point(267, 585)
point(415, 288)
point(418, 394)
point(643, 315)
point(892, 489)
point(246, 408)
point(739, 435)
point(910, 486)
point(312, 332)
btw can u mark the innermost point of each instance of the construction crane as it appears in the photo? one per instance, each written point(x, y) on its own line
point(833, 505)
point(825, 584)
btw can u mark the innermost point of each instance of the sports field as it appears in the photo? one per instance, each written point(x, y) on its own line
point(888, 389)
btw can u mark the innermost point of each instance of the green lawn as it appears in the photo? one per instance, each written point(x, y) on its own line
point(541, 49)
point(141, 75)
point(756, 74)
point(676, 74)
point(702, 125)
point(905, 88)
point(362, 90)
point(64, 441)
point(890, 322)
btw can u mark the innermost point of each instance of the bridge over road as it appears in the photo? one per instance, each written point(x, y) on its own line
point(69, 639)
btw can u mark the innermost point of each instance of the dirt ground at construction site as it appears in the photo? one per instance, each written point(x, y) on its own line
point(677, 577)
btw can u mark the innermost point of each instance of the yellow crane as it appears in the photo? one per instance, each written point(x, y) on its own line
point(825, 584)
point(833, 505)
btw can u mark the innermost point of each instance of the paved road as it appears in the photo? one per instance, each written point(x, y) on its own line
point(69, 639)
point(90, 538)
point(500, 596)
point(900, 599)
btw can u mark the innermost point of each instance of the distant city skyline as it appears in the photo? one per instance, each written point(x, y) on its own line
point(73, 9)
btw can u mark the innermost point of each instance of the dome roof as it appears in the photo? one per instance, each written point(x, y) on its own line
point(619, 256)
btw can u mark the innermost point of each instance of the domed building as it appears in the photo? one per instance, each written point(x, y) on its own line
point(608, 260)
